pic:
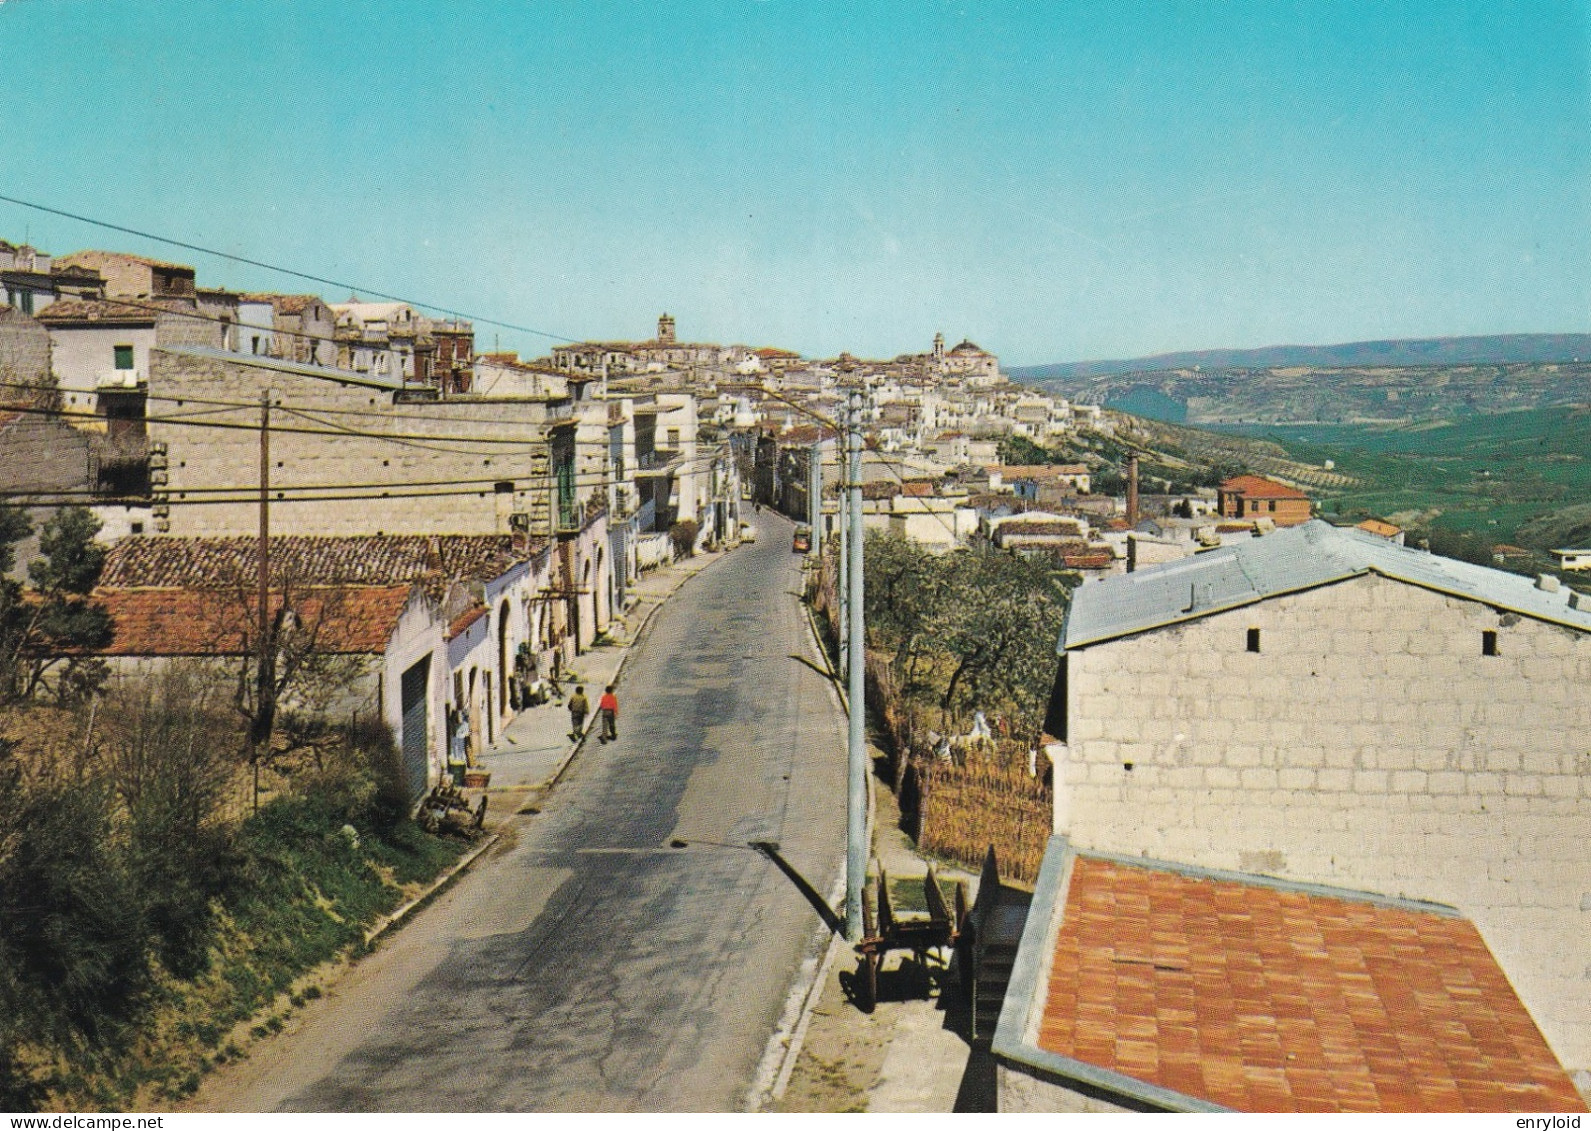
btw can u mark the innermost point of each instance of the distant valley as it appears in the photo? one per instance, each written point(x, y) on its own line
point(1364, 382)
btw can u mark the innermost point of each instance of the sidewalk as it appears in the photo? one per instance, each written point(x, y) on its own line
point(533, 750)
point(911, 1053)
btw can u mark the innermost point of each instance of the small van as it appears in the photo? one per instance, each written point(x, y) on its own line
point(801, 543)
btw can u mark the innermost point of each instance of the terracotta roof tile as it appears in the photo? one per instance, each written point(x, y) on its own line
point(197, 622)
point(209, 563)
point(97, 310)
point(1260, 998)
point(1258, 487)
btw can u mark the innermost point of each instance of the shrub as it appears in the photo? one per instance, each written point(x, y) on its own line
point(682, 536)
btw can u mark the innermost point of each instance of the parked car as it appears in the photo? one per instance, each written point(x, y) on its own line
point(748, 532)
point(801, 542)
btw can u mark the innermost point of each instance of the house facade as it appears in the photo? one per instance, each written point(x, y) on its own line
point(1253, 497)
point(1325, 706)
point(435, 626)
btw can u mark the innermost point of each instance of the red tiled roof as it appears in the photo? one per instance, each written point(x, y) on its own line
point(1259, 998)
point(1038, 470)
point(96, 310)
point(1018, 527)
point(1376, 526)
point(465, 619)
point(212, 563)
point(1258, 487)
point(213, 622)
point(99, 258)
point(284, 304)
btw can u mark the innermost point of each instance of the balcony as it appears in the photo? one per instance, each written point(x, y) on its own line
point(568, 514)
point(658, 462)
point(121, 379)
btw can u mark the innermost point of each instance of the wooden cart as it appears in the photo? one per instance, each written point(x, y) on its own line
point(883, 930)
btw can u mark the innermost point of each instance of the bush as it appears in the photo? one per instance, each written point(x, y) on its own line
point(682, 536)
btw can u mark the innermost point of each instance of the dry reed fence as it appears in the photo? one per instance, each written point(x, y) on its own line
point(954, 808)
point(964, 807)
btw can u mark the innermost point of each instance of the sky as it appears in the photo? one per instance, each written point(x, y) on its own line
point(1057, 181)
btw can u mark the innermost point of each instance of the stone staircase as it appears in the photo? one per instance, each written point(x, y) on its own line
point(997, 918)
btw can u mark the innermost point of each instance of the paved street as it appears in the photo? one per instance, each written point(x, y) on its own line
point(589, 963)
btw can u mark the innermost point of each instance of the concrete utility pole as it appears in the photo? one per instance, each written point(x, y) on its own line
point(856, 827)
point(842, 509)
point(815, 493)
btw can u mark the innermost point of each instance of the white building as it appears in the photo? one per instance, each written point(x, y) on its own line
point(1326, 707)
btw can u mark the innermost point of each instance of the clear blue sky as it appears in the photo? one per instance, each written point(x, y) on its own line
point(1055, 180)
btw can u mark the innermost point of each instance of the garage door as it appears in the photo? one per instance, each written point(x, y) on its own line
point(416, 728)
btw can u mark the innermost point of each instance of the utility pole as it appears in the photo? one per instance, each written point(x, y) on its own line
point(856, 825)
point(815, 492)
point(265, 685)
point(842, 512)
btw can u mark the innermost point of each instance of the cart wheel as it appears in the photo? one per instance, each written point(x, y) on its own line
point(867, 981)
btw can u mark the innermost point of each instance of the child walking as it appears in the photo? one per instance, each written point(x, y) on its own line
point(608, 712)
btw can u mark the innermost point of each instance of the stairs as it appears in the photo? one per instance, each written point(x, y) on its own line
point(997, 918)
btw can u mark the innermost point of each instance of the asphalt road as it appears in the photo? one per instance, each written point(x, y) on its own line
point(593, 965)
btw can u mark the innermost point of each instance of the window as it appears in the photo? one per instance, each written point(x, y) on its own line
point(1488, 643)
point(124, 356)
point(1253, 640)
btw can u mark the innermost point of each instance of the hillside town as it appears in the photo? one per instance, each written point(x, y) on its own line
point(1373, 757)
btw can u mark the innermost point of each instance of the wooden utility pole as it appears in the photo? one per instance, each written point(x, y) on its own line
point(265, 677)
point(858, 847)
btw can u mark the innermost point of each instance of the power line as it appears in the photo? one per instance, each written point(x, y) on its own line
point(278, 268)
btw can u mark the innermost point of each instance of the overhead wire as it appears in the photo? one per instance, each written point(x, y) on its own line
point(308, 277)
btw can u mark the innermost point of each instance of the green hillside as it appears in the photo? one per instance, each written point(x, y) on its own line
point(1517, 477)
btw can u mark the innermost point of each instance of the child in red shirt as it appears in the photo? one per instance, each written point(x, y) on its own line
point(608, 713)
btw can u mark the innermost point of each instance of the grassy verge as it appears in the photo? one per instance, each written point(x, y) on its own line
point(304, 888)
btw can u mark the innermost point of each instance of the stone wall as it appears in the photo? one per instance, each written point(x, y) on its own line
point(1368, 744)
point(24, 355)
point(1030, 1091)
point(200, 458)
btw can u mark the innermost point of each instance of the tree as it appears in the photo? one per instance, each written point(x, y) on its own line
point(14, 526)
point(285, 676)
point(1001, 627)
point(969, 630)
point(682, 535)
point(51, 631)
point(173, 777)
point(906, 587)
point(1023, 452)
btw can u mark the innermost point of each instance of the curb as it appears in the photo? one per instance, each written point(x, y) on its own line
point(772, 1092)
point(438, 885)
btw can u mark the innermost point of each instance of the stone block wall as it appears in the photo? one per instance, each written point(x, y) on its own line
point(24, 355)
point(1367, 744)
point(216, 447)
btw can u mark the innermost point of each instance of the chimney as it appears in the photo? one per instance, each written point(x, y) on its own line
point(1132, 491)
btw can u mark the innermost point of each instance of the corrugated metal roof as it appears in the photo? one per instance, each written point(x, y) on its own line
point(1300, 557)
